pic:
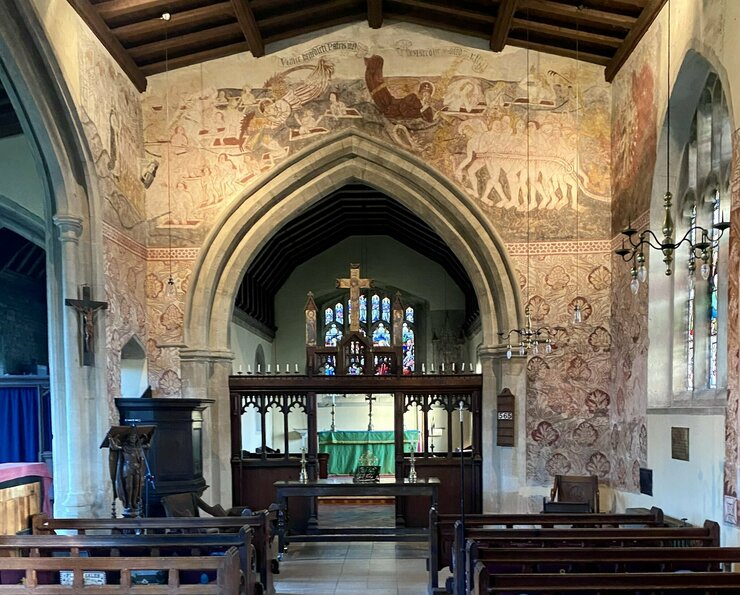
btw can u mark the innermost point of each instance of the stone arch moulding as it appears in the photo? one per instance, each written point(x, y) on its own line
point(71, 225)
point(293, 187)
point(298, 183)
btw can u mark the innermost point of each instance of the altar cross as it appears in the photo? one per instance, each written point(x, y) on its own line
point(86, 309)
point(354, 284)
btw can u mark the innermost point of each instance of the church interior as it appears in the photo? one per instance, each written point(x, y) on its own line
point(343, 261)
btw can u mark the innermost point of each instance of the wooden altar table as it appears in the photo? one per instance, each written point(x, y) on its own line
point(329, 487)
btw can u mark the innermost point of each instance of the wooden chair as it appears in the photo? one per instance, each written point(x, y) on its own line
point(189, 504)
point(576, 488)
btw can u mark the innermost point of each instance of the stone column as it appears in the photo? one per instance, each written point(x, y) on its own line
point(73, 441)
point(504, 468)
point(205, 375)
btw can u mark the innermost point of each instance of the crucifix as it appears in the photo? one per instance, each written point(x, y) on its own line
point(86, 309)
point(370, 400)
point(354, 284)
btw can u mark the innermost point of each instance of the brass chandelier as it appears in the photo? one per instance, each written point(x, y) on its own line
point(701, 241)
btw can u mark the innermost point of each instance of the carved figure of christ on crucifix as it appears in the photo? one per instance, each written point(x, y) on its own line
point(86, 309)
point(354, 284)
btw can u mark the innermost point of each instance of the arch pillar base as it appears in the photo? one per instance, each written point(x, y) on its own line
point(504, 467)
point(205, 375)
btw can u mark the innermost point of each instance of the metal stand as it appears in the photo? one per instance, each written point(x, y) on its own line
point(303, 476)
point(412, 470)
point(461, 562)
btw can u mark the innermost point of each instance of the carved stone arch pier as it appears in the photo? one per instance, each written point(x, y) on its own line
point(290, 189)
point(70, 228)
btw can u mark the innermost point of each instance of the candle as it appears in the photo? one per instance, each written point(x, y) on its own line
point(277, 368)
point(249, 368)
point(423, 369)
point(259, 368)
point(269, 371)
point(462, 367)
point(432, 369)
point(442, 368)
point(287, 368)
point(453, 367)
point(472, 369)
point(296, 368)
point(240, 369)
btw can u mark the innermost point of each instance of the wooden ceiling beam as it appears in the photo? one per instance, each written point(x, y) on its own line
point(196, 58)
point(501, 28)
point(445, 26)
point(574, 13)
point(156, 49)
point(566, 32)
point(110, 42)
point(646, 18)
point(375, 13)
point(558, 51)
point(136, 33)
point(449, 10)
point(133, 10)
point(248, 23)
point(298, 16)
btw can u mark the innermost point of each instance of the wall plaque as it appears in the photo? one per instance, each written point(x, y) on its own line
point(680, 443)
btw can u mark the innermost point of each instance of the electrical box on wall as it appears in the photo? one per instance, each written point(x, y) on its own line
point(505, 418)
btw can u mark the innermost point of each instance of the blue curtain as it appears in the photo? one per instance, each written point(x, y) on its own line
point(19, 424)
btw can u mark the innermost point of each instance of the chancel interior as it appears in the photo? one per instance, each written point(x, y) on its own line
point(336, 275)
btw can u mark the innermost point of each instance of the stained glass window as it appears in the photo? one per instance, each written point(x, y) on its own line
point(703, 180)
point(690, 306)
point(713, 299)
point(375, 308)
point(333, 336)
point(408, 346)
point(363, 309)
point(339, 309)
point(381, 336)
point(376, 322)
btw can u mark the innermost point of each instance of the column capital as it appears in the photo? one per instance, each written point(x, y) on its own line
point(188, 354)
point(70, 227)
point(494, 352)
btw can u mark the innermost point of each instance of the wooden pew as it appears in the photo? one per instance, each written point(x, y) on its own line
point(591, 537)
point(261, 522)
point(637, 582)
point(228, 575)
point(442, 531)
point(135, 546)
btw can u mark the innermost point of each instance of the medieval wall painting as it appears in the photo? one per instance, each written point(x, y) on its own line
point(529, 141)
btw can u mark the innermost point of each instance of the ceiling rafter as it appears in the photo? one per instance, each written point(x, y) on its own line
point(248, 23)
point(501, 28)
point(98, 26)
point(591, 16)
point(646, 18)
point(200, 30)
point(375, 13)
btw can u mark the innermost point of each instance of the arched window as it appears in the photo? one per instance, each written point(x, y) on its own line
point(375, 323)
point(703, 191)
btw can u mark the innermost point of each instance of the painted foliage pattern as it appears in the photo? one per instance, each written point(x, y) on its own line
point(568, 391)
point(110, 112)
point(732, 423)
point(634, 138)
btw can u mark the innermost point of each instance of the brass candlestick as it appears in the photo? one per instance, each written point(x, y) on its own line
point(303, 476)
point(412, 470)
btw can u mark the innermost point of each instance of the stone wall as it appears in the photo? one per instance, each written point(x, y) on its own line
point(23, 327)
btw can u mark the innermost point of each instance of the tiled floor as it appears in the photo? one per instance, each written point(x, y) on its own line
point(371, 568)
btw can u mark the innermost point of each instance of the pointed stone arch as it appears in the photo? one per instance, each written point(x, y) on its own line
point(70, 228)
point(291, 188)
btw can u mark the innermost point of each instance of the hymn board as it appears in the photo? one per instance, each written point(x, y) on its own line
point(365, 363)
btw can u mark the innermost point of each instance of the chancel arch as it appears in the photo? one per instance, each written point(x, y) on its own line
point(292, 188)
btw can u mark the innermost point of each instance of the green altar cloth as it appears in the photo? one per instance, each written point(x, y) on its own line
point(346, 447)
